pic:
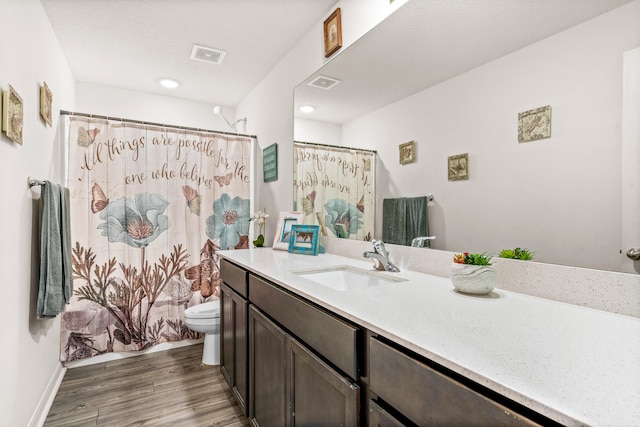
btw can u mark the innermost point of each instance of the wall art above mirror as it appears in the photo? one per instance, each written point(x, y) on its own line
point(413, 78)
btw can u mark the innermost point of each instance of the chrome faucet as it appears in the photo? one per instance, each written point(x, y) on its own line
point(422, 241)
point(380, 257)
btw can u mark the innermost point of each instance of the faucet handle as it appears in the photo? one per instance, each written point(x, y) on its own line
point(378, 247)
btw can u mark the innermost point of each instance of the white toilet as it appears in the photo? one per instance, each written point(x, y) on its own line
point(205, 318)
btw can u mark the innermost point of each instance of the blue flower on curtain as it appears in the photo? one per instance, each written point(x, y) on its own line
point(136, 223)
point(341, 212)
point(229, 221)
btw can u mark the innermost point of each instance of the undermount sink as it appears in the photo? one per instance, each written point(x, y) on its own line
point(346, 277)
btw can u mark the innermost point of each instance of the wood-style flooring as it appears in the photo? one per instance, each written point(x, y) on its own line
point(167, 388)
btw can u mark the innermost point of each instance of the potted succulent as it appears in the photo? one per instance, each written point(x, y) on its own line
point(517, 253)
point(473, 273)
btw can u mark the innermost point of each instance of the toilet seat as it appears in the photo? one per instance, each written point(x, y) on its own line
point(205, 310)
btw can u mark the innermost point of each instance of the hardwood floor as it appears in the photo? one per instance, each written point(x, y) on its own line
point(168, 388)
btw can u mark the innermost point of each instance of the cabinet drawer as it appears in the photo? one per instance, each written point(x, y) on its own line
point(428, 397)
point(235, 277)
point(333, 338)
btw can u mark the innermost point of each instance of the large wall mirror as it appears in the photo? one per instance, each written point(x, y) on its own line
point(453, 77)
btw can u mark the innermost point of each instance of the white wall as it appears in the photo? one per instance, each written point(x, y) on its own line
point(306, 130)
point(129, 104)
point(269, 106)
point(30, 347)
point(560, 196)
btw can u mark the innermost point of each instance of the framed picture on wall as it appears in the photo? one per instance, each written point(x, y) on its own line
point(46, 99)
point(458, 167)
point(12, 115)
point(407, 152)
point(286, 220)
point(332, 33)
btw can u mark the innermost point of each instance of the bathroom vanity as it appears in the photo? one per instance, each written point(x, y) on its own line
point(405, 348)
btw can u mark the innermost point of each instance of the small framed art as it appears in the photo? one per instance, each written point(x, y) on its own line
point(304, 239)
point(458, 167)
point(12, 114)
point(332, 33)
point(270, 163)
point(534, 124)
point(407, 152)
point(286, 220)
point(46, 100)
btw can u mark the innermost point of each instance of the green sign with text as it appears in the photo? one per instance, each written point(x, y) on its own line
point(270, 163)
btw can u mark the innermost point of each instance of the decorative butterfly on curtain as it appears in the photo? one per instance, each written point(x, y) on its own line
point(193, 199)
point(87, 137)
point(360, 204)
point(98, 199)
point(308, 203)
point(223, 180)
point(205, 277)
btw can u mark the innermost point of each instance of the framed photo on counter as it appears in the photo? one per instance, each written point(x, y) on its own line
point(285, 221)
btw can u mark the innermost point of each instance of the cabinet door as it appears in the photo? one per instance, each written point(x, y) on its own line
point(234, 343)
point(226, 333)
point(318, 395)
point(267, 381)
point(378, 417)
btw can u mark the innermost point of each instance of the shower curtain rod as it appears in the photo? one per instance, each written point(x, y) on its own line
point(96, 116)
point(336, 146)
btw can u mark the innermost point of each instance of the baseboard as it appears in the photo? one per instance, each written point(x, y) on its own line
point(44, 405)
point(107, 357)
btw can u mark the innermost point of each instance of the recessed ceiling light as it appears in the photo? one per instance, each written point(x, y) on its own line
point(169, 83)
point(307, 108)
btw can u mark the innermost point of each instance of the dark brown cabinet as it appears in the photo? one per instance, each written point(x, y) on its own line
point(291, 362)
point(378, 417)
point(267, 371)
point(318, 395)
point(429, 397)
point(234, 345)
point(290, 384)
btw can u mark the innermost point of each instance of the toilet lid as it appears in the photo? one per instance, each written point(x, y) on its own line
point(204, 310)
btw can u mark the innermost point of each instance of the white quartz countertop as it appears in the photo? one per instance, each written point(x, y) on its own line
point(575, 365)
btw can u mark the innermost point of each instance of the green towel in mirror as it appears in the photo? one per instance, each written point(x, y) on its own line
point(404, 219)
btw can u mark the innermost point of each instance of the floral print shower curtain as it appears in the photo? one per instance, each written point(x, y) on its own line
point(151, 206)
point(335, 188)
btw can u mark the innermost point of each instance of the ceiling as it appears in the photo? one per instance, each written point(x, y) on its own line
point(426, 42)
point(133, 43)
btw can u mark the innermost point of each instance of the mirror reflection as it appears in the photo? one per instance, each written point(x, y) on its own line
point(454, 78)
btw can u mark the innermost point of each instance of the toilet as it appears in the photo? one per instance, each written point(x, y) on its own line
point(205, 318)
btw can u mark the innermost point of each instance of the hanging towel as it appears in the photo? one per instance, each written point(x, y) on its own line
point(417, 219)
point(394, 216)
point(56, 279)
point(403, 219)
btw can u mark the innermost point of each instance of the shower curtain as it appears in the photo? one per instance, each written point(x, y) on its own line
point(151, 206)
point(335, 188)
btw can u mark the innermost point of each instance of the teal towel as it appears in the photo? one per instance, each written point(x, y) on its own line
point(404, 219)
point(56, 279)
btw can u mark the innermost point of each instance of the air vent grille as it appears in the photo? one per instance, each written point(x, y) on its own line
point(324, 82)
point(207, 54)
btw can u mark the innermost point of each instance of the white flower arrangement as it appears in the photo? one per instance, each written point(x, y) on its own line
point(259, 218)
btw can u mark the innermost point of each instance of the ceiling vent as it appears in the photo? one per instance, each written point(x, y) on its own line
point(207, 54)
point(324, 82)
